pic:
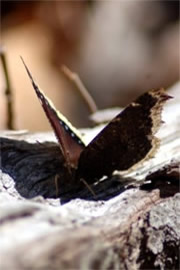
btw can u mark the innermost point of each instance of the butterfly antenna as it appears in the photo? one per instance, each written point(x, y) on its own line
point(74, 77)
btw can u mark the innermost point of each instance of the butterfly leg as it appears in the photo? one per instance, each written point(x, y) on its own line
point(56, 185)
point(88, 187)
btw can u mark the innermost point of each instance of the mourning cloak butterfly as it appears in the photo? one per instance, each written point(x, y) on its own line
point(127, 140)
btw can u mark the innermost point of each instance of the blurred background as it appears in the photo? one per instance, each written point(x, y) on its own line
point(119, 49)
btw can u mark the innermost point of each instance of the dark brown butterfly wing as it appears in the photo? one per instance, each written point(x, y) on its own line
point(69, 138)
point(126, 140)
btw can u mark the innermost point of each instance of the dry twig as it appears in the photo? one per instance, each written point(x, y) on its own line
point(8, 90)
point(72, 76)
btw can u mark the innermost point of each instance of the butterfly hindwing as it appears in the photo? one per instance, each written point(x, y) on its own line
point(69, 138)
point(126, 140)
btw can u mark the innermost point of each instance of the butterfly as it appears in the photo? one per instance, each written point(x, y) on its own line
point(125, 141)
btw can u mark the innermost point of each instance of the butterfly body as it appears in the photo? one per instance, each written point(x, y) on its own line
point(126, 141)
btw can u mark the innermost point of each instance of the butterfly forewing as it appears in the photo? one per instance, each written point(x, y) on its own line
point(126, 140)
point(70, 140)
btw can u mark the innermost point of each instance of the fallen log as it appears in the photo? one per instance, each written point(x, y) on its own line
point(131, 223)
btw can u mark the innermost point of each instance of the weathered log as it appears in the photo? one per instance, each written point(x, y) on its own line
point(131, 223)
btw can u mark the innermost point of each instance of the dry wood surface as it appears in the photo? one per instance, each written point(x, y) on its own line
point(133, 222)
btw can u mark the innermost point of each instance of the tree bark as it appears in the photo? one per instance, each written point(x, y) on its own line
point(131, 223)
